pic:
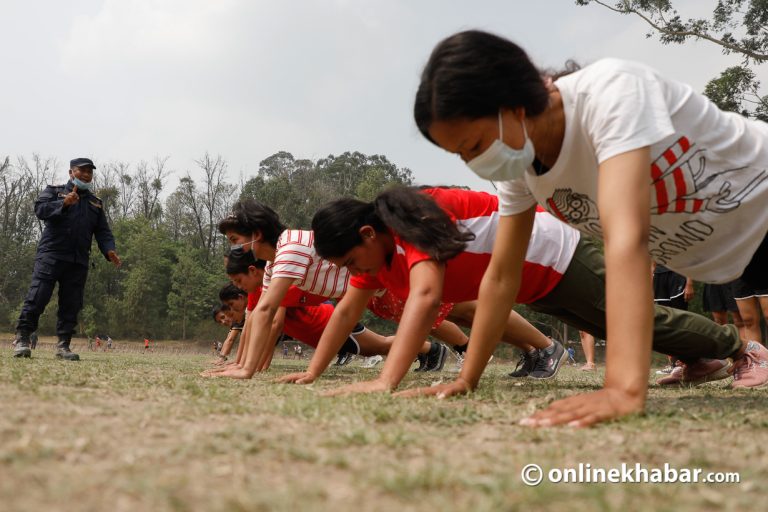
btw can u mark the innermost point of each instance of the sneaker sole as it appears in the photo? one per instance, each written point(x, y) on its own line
point(563, 357)
point(722, 373)
point(23, 354)
point(759, 386)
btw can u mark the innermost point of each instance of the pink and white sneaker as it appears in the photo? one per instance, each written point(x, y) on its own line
point(751, 369)
point(697, 372)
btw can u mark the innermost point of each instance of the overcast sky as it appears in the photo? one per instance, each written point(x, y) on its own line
point(131, 79)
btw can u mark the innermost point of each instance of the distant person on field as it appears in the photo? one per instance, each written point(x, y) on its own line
point(588, 346)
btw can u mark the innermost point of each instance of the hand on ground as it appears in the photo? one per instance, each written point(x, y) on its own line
point(296, 378)
point(586, 409)
point(457, 387)
point(367, 386)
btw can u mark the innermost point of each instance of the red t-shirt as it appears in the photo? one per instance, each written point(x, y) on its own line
point(302, 322)
point(550, 250)
point(295, 297)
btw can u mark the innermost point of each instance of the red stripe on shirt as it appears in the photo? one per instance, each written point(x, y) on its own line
point(680, 189)
point(670, 156)
point(661, 196)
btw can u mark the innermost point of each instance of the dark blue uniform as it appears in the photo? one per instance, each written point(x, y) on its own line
point(62, 255)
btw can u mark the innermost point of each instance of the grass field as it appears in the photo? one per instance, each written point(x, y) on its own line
point(128, 432)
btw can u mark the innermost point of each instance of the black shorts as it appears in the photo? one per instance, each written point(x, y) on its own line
point(756, 274)
point(668, 290)
point(743, 290)
point(719, 297)
point(351, 346)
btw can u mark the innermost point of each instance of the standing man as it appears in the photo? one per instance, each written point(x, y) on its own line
point(72, 215)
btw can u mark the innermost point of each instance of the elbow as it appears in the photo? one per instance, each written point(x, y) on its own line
point(266, 310)
point(428, 299)
point(628, 242)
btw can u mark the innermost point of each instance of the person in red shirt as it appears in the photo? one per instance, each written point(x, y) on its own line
point(301, 322)
point(291, 262)
point(434, 245)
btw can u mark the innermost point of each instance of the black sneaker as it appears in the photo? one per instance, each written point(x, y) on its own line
point(549, 361)
point(422, 359)
point(525, 364)
point(22, 346)
point(436, 357)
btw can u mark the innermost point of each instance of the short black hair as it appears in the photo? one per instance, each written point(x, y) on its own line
point(239, 260)
point(230, 292)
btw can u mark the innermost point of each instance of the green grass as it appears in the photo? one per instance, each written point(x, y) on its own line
point(144, 432)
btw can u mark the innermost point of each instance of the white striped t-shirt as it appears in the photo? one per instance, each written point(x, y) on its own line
point(297, 259)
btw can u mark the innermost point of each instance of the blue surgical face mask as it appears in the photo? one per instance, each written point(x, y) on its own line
point(81, 185)
point(502, 163)
point(241, 246)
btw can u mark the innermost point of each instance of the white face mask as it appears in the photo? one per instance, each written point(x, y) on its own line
point(502, 163)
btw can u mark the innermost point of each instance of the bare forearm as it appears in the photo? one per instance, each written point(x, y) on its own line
point(629, 318)
point(495, 301)
point(274, 335)
point(259, 339)
point(418, 316)
point(226, 348)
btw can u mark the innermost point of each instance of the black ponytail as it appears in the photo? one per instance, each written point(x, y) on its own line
point(239, 261)
point(415, 217)
point(249, 216)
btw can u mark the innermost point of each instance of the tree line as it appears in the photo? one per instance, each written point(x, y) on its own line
point(171, 249)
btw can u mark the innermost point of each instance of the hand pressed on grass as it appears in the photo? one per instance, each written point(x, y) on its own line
point(457, 387)
point(366, 386)
point(234, 373)
point(587, 409)
point(297, 378)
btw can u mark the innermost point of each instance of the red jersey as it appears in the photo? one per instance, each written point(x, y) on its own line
point(550, 250)
point(293, 298)
point(303, 323)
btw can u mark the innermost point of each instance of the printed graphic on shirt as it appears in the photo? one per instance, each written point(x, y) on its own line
point(680, 184)
point(575, 209)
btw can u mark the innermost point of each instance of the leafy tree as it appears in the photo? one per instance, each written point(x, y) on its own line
point(296, 189)
point(191, 290)
point(148, 259)
point(736, 90)
point(737, 26)
point(206, 204)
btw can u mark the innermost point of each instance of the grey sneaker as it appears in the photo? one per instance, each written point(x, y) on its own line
point(371, 362)
point(549, 361)
point(344, 358)
point(436, 357)
point(63, 352)
point(525, 364)
point(22, 346)
point(459, 363)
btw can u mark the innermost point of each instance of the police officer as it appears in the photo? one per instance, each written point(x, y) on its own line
point(72, 215)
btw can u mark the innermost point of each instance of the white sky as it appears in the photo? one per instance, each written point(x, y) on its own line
point(131, 79)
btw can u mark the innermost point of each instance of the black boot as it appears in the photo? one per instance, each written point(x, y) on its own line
point(23, 346)
point(63, 352)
